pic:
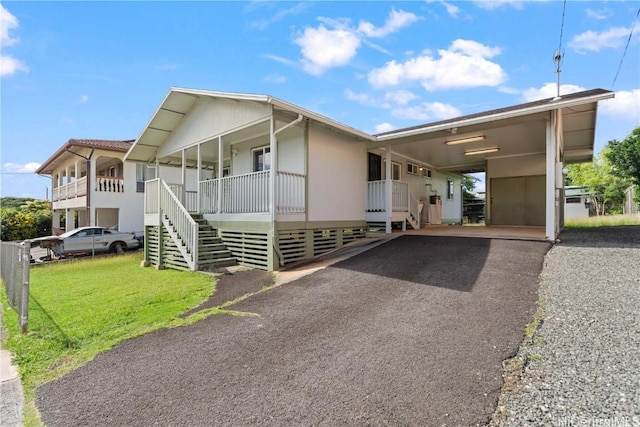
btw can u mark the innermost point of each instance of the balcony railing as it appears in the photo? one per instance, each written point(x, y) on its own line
point(109, 184)
point(71, 190)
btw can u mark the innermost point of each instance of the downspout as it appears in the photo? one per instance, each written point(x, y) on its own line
point(274, 171)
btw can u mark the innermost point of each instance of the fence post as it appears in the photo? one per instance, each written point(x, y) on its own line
point(24, 301)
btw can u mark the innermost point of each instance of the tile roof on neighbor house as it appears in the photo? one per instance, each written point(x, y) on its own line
point(119, 146)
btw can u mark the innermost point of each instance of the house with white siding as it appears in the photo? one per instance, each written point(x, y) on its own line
point(267, 183)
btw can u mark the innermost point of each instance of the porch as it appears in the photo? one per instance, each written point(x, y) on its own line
point(404, 206)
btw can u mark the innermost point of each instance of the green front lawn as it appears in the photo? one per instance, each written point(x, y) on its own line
point(603, 221)
point(81, 308)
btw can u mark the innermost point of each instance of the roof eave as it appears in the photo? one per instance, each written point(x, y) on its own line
point(552, 105)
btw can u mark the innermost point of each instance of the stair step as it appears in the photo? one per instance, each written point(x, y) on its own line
point(221, 262)
point(214, 254)
point(212, 247)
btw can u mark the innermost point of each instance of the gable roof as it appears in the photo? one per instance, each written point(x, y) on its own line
point(179, 101)
point(119, 146)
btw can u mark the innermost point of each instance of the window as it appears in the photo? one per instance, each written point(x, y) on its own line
point(425, 172)
point(395, 170)
point(574, 200)
point(261, 159)
point(449, 189)
point(412, 168)
point(144, 173)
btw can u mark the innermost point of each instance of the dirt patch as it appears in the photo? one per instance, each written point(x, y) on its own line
point(232, 286)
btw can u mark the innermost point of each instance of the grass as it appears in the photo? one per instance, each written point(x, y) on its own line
point(81, 308)
point(603, 221)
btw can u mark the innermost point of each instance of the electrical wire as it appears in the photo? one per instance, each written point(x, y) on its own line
point(564, 8)
point(625, 48)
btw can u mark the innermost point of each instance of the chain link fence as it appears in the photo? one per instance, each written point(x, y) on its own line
point(14, 268)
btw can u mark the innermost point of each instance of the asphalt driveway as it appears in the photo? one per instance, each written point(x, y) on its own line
point(412, 332)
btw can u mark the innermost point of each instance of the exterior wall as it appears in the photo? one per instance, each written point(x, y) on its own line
point(516, 166)
point(451, 208)
point(107, 217)
point(576, 210)
point(337, 176)
point(423, 187)
point(209, 118)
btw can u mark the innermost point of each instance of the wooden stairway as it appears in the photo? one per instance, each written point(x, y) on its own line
point(211, 251)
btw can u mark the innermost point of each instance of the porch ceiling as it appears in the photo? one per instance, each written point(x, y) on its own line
point(515, 131)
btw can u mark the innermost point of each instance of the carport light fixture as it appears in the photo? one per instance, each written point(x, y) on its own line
point(481, 151)
point(465, 140)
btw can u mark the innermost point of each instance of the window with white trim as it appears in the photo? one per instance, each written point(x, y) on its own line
point(450, 189)
point(425, 172)
point(412, 168)
point(261, 158)
point(395, 170)
point(144, 173)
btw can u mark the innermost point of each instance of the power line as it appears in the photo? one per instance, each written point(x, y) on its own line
point(633, 24)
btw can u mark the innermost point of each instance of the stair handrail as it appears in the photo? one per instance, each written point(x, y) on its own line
point(414, 208)
point(182, 228)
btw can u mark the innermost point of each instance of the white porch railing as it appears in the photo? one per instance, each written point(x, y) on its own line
point(400, 196)
point(180, 225)
point(376, 196)
point(247, 193)
point(71, 190)
point(290, 193)
point(109, 184)
point(152, 196)
point(209, 196)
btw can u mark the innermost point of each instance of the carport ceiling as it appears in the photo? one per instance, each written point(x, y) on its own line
point(516, 131)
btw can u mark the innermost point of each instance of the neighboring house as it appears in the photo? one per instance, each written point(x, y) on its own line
point(630, 206)
point(277, 183)
point(92, 186)
point(577, 202)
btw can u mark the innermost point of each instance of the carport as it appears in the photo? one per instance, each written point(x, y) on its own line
point(522, 149)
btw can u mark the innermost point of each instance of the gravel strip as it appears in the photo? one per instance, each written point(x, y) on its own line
point(582, 366)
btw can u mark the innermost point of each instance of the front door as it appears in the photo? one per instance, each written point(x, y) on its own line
point(374, 167)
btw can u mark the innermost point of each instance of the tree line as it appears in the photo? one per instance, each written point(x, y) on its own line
point(610, 174)
point(24, 218)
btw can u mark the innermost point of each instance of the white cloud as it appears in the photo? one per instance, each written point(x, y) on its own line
point(83, 99)
point(323, 48)
point(279, 59)
point(262, 24)
point(465, 64)
point(427, 111)
point(400, 97)
point(496, 4)
point(275, 78)
point(599, 14)
point(384, 127)
point(509, 90)
point(364, 99)
point(30, 167)
point(452, 9)
point(626, 105)
point(8, 64)
point(7, 22)
point(594, 41)
point(396, 20)
point(548, 90)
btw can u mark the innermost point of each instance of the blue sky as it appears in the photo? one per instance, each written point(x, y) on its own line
point(98, 70)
